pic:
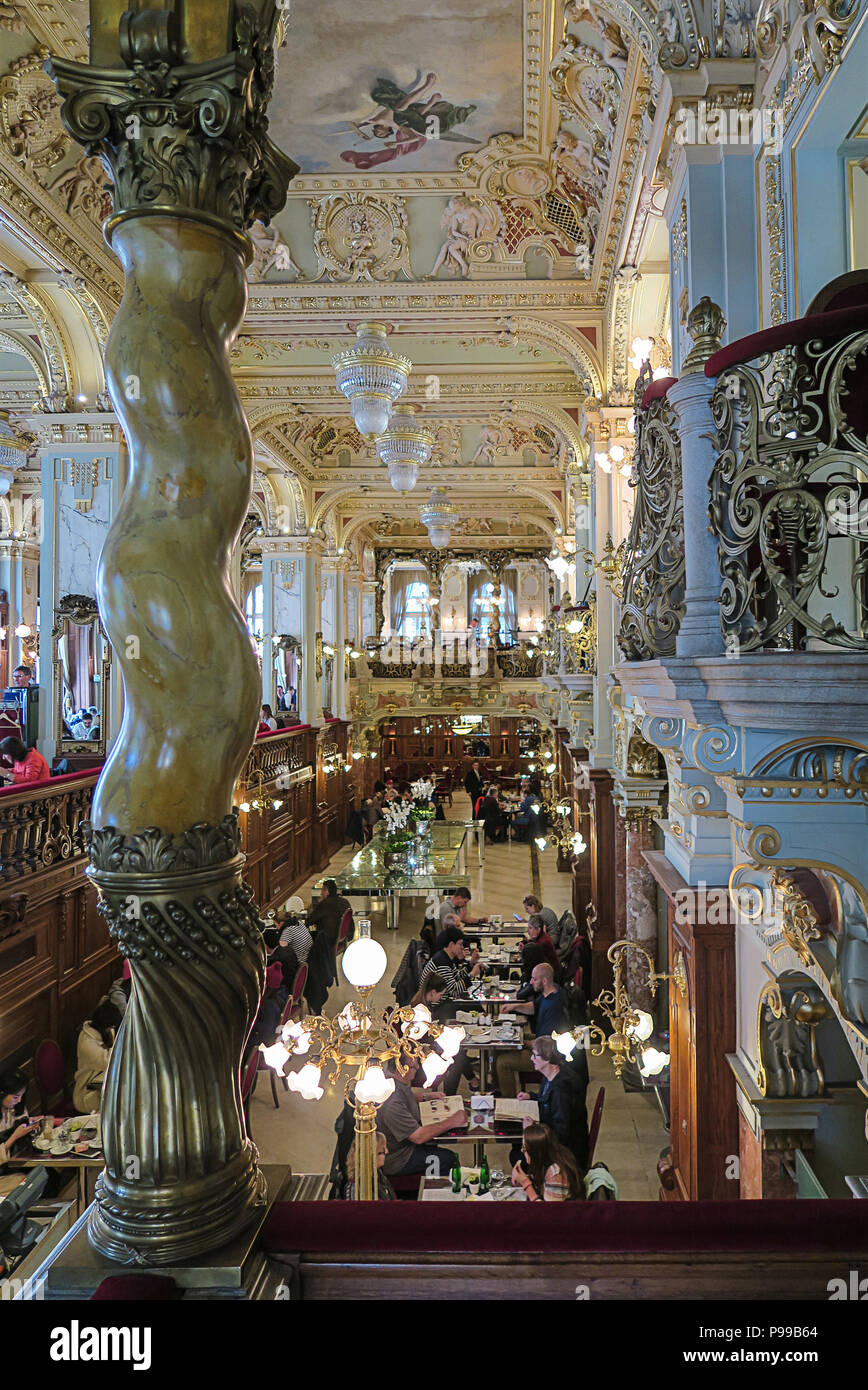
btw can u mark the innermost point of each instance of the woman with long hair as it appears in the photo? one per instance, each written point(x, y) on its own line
point(547, 1171)
point(95, 1042)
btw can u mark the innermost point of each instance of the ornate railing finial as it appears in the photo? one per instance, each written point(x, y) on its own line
point(706, 323)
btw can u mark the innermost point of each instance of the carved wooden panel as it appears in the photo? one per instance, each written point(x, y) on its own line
point(704, 1114)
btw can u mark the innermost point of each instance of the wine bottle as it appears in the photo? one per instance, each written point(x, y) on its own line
point(484, 1175)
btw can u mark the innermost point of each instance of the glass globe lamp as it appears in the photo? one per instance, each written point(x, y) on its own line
point(404, 447)
point(372, 377)
point(438, 515)
point(364, 963)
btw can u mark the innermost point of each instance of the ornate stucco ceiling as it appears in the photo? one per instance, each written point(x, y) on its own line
point(476, 177)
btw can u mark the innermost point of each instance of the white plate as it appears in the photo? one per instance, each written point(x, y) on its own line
point(42, 1144)
point(60, 1149)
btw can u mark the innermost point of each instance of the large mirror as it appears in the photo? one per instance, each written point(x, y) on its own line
point(82, 661)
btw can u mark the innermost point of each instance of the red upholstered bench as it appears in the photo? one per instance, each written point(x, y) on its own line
point(836, 324)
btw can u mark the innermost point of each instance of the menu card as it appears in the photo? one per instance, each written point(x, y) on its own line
point(506, 1109)
point(431, 1112)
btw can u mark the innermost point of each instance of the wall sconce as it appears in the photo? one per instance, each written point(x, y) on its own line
point(630, 1027)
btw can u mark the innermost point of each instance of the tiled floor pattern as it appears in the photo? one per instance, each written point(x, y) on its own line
point(301, 1133)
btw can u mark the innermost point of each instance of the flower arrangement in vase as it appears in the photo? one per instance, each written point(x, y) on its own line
point(422, 792)
point(397, 835)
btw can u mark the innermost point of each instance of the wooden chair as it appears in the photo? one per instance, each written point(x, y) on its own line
point(50, 1070)
point(343, 932)
point(293, 1003)
point(596, 1121)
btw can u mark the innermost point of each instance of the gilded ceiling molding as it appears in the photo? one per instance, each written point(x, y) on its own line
point(625, 162)
point(55, 24)
point(624, 285)
point(371, 507)
point(35, 305)
point(426, 295)
point(56, 238)
point(93, 310)
point(358, 236)
point(569, 344)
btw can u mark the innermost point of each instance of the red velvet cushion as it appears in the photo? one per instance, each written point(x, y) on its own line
point(836, 324)
point(137, 1288)
point(657, 389)
point(408, 1227)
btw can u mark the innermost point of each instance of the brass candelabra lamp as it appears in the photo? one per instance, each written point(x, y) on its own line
point(558, 810)
point(631, 1027)
point(612, 566)
point(571, 629)
point(261, 799)
point(360, 1040)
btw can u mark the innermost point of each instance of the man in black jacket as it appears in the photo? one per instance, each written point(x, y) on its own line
point(562, 1096)
point(326, 915)
point(473, 783)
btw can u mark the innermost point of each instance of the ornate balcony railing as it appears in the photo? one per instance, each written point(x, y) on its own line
point(519, 662)
point(789, 492)
point(446, 657)
point(569, 640)
point(653, 603)
point(42, 826)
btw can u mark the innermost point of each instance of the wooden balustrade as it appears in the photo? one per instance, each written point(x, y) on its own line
point(56, 958)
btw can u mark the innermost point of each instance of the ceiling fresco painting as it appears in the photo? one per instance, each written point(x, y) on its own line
point(376, 86)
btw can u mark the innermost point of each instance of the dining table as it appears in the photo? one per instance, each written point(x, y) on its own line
point(84, 1166)
point(440, 1190)
point(435, 863)
point(489, 1039)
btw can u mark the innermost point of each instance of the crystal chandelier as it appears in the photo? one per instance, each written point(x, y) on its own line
point(371, 377)
point(404, 446)
point(437, 514)
point(13, 452)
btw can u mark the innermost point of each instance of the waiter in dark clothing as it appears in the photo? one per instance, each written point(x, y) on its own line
point(473, 783)
point(326, 915)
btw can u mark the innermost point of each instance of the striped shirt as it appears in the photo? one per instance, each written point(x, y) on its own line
point(296, 935)
point(455, 973)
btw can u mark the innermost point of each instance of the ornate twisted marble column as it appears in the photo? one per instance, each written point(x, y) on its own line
point(176, 105)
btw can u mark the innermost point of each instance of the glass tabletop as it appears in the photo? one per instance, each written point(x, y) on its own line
point(428, 864)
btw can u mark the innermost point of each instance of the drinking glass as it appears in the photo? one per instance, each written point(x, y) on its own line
point(47, 1126)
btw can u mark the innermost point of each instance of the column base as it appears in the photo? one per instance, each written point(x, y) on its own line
point(181, 1221)
point(233, 1271)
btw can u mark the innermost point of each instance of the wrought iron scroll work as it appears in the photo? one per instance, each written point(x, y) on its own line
point(791, 476)
point(653, 602)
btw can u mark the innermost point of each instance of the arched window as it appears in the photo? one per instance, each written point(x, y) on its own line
point(483, 609)
point(409, 612)
point(415, 622)
point(493, 617)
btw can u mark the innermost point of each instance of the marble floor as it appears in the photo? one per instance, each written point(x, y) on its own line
point(301, 1132)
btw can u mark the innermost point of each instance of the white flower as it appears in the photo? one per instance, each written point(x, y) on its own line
point(422, 790)
point(396, 814)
